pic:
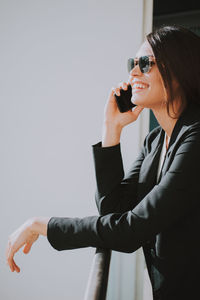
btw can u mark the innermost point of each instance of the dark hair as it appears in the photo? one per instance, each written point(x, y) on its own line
point(177, 53)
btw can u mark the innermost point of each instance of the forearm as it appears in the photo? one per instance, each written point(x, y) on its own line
point(113, 231)
point(115, 193)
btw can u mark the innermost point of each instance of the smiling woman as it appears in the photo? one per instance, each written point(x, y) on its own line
point(153, 92)
point(156, 205)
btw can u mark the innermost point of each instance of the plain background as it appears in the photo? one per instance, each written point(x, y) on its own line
point(59, 60)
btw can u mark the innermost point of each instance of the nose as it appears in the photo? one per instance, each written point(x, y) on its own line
point(134, 72)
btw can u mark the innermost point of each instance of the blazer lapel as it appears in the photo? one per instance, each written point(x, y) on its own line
point(185, 121)
point(149, 168)
point(148, 172)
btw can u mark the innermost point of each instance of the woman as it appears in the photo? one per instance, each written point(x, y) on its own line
point(156, 206)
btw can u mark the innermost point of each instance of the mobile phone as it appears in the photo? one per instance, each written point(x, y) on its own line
point(124, 100)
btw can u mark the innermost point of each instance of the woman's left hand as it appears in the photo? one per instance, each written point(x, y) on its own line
point(25, 236)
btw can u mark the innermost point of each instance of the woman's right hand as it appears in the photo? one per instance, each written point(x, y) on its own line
point(113, 116)
point(114, 120)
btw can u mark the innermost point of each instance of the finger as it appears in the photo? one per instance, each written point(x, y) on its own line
point(27, 248)
point(117, 91)
point(10, 261)
point(8, 255)
point(7, 250)
point(113, 91)
point(10, 264)
point(10, 258)
point(125, 86)
point(16, 267)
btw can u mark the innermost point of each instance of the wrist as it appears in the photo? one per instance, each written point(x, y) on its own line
point(38, 225)
point(111, 134)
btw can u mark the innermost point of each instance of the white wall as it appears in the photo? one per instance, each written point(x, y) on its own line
point(59, 60)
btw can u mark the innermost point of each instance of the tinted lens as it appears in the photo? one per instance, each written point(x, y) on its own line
point(144, 64)
point(131, 64)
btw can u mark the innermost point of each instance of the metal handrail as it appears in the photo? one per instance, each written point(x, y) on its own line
point(98, 278)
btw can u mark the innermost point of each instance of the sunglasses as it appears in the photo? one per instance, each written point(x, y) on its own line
point(145, 63)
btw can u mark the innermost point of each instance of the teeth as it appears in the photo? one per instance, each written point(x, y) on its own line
point(139, 85)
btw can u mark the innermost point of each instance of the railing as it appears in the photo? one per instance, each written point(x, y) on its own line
point(98, 278)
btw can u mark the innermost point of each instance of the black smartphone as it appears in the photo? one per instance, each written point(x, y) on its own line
point(124, 100)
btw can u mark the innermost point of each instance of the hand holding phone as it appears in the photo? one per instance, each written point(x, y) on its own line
point(124, 100)
point(114, 121)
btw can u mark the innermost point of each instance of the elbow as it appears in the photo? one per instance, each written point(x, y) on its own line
point(102, 209)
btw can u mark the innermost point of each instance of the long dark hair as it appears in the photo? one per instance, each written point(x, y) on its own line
point(177, 53)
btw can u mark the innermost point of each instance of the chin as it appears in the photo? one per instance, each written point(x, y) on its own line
point(143, 101)
point(140, 102)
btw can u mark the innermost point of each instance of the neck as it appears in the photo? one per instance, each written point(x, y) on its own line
point(166, 122)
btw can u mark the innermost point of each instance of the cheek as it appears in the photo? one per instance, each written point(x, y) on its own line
point(157, 88)
point(154, 95)
point(158, 91)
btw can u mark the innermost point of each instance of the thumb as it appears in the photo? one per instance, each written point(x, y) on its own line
point(27, 248)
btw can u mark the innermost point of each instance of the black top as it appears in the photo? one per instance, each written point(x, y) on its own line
point(135, 211)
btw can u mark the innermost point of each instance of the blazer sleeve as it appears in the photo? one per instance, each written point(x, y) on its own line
point(175, 196)
point(115, 193)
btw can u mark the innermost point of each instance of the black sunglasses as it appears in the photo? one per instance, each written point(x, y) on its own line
point(145, 63)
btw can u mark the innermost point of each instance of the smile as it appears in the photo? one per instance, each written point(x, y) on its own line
point(139, 86)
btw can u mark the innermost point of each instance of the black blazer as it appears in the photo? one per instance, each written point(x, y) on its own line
point(135, 211)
